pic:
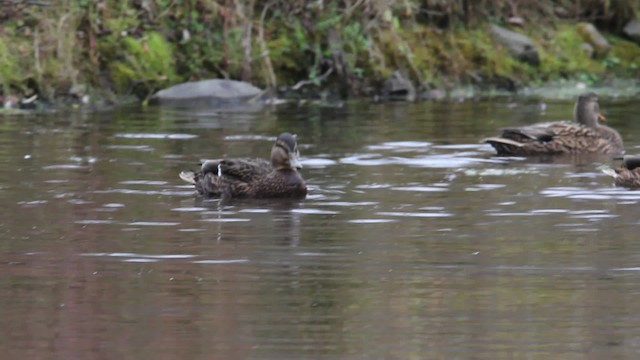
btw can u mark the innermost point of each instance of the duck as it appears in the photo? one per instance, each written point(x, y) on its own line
point(585, 135)
point(628, 174)
point(253, 177)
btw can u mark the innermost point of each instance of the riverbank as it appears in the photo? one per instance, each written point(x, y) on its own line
point(79, 53)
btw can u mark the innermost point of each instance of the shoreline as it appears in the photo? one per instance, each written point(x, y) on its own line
point(97, 54)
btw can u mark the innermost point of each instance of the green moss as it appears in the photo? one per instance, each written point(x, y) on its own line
point(624, 57)
point(148, 60)
point(11, 74)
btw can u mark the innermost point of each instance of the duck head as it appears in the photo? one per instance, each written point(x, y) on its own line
point(587, 110)
point(284, 153)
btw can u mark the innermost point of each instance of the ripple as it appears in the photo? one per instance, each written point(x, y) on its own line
point(347, 203)
point(314, 211)
point(113, 205)
point(460, 146)
point(481, 187)
point(33, 202)
point(93, 222)
point(550, 211)
point(374, 186)
point(153, 223)
point(142, 182)
point(221, 262)
point(249, 137)
point(309, 162)
point(147, 192)
point(64, 167)
point(400, 145)
point(155, 136)
point(371, 221)
point(420, 188)
point(229, 220)
point(513, 214)
point(189, 209)
point(498, 172)
point(131, 147)
point(145, 256)
point(365, 160)
point(416, 214)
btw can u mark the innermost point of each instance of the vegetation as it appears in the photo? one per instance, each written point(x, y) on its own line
point(347, 46)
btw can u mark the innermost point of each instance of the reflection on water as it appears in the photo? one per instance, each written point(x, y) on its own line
point(414, 242)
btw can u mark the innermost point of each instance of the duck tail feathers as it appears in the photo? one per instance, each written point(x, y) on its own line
point(188, 176)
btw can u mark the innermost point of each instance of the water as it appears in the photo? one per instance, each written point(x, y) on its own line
point(414, 242)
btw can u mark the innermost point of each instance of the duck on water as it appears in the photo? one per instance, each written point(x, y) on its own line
point(253, 177)
point(585, 135)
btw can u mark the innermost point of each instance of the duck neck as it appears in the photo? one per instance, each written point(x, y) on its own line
point(585, 114)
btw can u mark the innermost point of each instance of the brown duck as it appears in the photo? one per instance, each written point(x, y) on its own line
point(583, 136)
point(253, 178)
point(627, 175)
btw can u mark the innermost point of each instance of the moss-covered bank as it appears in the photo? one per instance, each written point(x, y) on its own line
point(66, 48)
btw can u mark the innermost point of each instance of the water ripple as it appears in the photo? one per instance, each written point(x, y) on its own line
point(153, 223)
point(155, 136)
point(314, 211)
point(400, 145)
point(415, 214)
point(221, 262)
point(146, 256)
point(420, 188)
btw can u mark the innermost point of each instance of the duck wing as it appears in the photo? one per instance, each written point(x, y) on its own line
point(238, 169)
point(541, 132)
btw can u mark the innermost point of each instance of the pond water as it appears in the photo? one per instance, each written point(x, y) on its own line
point(415, 242)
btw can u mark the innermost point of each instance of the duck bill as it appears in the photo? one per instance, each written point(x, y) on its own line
point(295, 162)
point(601, 117)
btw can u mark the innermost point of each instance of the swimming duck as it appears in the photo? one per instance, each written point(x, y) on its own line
point(253, 178)
point(627, 175)
point(584, 135)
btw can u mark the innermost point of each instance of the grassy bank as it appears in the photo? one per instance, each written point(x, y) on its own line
point(67, 48)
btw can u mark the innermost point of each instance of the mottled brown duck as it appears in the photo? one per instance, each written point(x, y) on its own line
point(627, 175)
point(253, 178)
point(582, 136)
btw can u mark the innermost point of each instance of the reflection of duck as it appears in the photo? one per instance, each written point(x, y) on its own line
point(583, 136)
point(627, 175)
point(253, 178)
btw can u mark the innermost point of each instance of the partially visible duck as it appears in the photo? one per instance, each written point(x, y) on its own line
point(253, 178)
point(584, 135)
point(627, 175)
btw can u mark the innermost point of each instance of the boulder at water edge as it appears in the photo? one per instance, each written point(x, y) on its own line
point(519, 46)
point(632, 30)
point(591, 35)
point(213, 90)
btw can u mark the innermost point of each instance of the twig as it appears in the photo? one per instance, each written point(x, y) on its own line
point(265, 50)
point(319, 79)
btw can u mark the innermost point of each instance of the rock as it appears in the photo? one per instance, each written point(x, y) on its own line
point(78, 90)
point(587, 49)
point(632, 30)
point(398, 86)
point(516, 21)
point(213, 90)
point(590, 34)
point(519, 46)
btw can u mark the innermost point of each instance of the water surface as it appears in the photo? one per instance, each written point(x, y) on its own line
point(414, 242)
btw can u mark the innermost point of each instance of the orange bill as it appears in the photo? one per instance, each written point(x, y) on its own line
point(601, 117)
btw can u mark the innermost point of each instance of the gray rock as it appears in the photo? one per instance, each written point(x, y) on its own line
point(590, 34)
point(213, 90)
point(519, 46)
point(632, 30)
point(587, 49)
point(398, 86)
